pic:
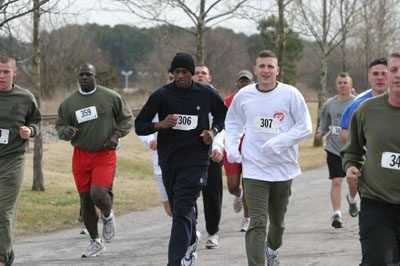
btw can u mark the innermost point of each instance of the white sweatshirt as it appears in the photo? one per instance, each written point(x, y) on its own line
point(146, 141)
point(274, 123)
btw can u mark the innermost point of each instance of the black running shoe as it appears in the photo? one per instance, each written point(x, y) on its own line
point(10, 259)
point(337, 221)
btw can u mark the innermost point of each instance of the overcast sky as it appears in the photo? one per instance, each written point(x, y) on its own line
point(92, 13)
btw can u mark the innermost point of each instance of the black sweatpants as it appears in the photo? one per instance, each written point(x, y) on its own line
point(183, 186)
point(379, 233)
point(212, 197)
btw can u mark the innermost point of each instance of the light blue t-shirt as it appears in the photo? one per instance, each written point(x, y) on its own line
point(345, 121)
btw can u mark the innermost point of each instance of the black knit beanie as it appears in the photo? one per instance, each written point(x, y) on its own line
point(183, 60)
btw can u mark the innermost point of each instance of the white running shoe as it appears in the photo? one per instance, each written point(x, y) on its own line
point(244, 224)
point(109, 228)
point(191, 254)
point(83, 230)
point(237, 203)
point(95, 248)
point(212, 241)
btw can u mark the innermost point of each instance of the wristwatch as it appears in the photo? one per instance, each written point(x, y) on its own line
point(215, 130)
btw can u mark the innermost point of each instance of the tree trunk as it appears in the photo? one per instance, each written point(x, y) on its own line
point(322, 92)
point(200, 35)
point(282, 39)
point(38, 182)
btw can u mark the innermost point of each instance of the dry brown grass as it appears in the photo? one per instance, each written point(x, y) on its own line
point(309, 156)
point(58, 207)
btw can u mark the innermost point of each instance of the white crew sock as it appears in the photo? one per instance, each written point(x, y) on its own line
point(338, 212)
point(272, 252)
point(351, 200)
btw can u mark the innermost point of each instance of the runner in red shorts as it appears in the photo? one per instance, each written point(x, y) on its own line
point(94, 118)
point(234, 170)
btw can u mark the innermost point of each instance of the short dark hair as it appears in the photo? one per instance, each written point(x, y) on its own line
point(4, 59)
point(266, 53)
point(378, 61)
point(395, 54)
point(345, 75)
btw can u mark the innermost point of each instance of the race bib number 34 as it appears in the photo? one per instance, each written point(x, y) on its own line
point(266, 125)
point(186, 122)
point(4, 133)
point(86, 114)
point(391, 160)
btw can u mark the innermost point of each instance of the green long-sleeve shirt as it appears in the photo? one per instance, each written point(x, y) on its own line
point(375, 125)
point(18, 108)
point(97, 116)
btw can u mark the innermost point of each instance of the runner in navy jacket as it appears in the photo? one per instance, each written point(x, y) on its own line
point(184, 139)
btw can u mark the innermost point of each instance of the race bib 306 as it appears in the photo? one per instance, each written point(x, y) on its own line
point(186, 122)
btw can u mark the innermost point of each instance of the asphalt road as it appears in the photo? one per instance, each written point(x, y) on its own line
point(142, 237)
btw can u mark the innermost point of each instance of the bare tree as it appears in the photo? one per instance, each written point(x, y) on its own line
point(12, 9)
point(282, 33)
point(345, 7)
point(200, 14)
point(321, 23)
point(226, 53)
point(377, 29)
point(38, 181)
point(60, 57)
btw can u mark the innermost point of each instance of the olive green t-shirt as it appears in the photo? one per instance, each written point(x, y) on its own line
point(97, 116)
point(18, 108)
point(375, 130)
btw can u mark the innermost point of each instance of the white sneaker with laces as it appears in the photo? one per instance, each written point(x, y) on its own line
point(191, 254)
point(212, 241)
point(109, 229)
point(83, 230)
point(237, 203)
point(272, 260)
point(95, 248)
point(244, 224)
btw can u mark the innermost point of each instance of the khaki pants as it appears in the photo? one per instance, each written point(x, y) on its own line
point(11, 176)
point(265, 200)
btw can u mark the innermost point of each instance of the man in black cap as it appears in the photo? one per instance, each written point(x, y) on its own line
point(184, 139)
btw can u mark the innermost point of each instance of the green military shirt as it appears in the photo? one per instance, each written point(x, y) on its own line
point(97, 116)
point(375, 130)
point(18, 108)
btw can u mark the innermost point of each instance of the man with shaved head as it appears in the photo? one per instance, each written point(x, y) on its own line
point(93, 118)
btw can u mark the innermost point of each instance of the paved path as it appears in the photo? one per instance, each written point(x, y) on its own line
point(142, 237)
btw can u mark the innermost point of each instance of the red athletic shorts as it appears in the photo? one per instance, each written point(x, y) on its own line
point(233, 168)
point(93, 168)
